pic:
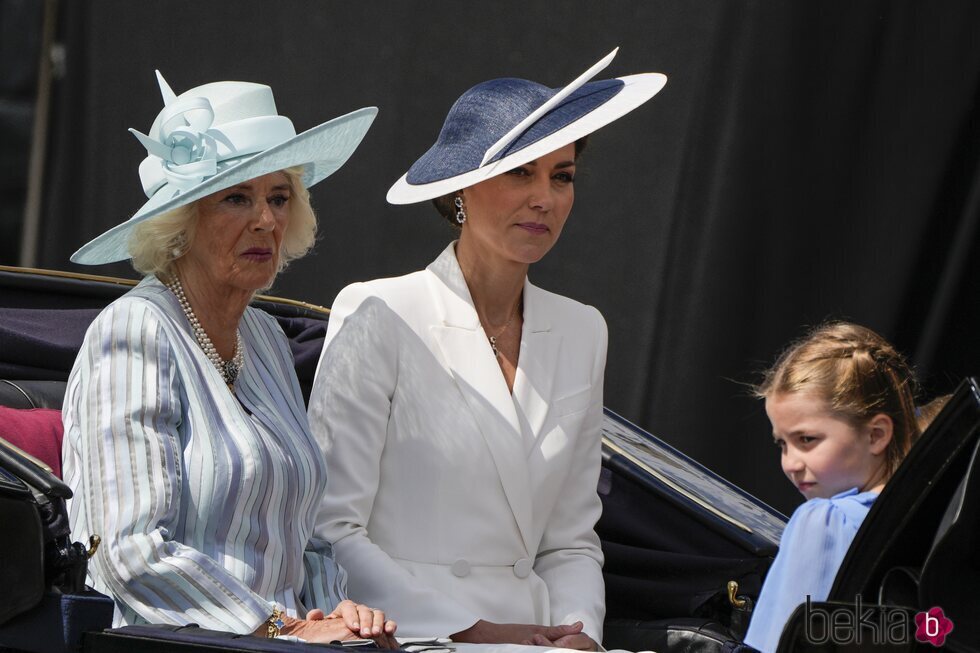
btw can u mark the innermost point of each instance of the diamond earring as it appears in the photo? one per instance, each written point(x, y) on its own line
point(460, 211)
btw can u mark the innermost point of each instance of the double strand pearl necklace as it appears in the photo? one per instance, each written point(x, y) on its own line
point(228, 370)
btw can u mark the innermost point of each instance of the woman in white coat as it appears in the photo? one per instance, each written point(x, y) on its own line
point(459, 406)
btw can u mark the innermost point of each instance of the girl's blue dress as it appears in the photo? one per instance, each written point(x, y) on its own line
point(810, 552)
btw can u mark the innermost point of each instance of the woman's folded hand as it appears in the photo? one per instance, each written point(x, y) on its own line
point(578, 641)
point(565, 636)
point(349, 620)
point(362, 621)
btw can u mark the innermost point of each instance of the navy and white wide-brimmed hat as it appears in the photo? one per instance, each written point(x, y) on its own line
point(219, 135)
point(504, 123)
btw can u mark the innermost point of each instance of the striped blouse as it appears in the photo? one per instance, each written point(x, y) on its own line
point(205, 500)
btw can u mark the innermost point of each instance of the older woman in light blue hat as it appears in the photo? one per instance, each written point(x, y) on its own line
point(459, 406)
point(186, 439)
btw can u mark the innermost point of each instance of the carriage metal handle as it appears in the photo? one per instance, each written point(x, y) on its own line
point(93, 545)
point(733, 595)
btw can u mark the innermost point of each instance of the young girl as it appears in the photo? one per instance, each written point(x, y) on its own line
point(841, 405)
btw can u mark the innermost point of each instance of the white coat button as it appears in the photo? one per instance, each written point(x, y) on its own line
point(461, 568)
point(522, 568)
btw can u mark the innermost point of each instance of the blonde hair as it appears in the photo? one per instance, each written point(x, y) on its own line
point(858, 374)
point(156, 244)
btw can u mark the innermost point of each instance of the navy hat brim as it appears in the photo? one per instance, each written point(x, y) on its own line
point(599, 104)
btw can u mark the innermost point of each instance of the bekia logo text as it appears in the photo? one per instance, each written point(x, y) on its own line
point(857, 624)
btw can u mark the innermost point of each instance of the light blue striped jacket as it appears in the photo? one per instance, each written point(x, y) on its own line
point(205, 500)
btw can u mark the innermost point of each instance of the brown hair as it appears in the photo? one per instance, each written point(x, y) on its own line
point(446, 206)
point(926, 413)
point(858, 373)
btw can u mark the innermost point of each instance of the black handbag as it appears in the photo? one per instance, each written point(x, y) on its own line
point(46, 604)
point(192, 639)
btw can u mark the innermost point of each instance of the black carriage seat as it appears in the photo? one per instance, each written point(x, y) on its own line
point(950, 572)
point(917, 548)
point(32, 394)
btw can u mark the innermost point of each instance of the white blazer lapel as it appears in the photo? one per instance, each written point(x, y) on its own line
point(466, 351)
point(538, 362)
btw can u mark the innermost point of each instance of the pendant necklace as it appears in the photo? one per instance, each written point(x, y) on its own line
point(493, 339)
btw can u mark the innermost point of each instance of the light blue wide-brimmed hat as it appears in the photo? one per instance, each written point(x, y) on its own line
point(218, 135)
point(504, 123)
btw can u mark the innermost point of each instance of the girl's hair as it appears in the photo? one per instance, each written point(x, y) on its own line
point(926, 413)
point(858, 373)
point(446, 204)
point(158, 242)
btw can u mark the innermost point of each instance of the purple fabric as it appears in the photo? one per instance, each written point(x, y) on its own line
point(38, 431)
point(41, 343)
point(305, 342)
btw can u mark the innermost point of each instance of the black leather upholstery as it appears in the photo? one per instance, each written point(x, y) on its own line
point(678, 635)
point(32, 394)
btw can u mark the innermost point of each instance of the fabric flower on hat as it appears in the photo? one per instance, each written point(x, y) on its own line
point(187, 153)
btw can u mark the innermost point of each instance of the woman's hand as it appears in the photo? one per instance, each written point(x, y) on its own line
point(364, 622)
point(319, 630)
point(336, 626)
point(579, 641)
point(487, 632)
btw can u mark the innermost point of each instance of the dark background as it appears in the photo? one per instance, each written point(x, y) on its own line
point(807, 160)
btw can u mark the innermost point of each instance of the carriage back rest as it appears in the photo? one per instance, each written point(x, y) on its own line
point(32, 394)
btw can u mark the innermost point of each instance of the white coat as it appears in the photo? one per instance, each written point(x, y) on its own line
point(450, 500)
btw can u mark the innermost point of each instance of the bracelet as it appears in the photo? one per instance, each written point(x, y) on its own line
point(275, 623)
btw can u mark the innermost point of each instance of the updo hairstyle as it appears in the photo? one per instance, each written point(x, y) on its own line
point(858, 374)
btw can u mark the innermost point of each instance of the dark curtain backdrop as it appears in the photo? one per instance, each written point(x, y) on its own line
point(807, 160)
point(20, 42)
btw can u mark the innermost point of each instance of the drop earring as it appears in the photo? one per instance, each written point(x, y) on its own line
point(460, 210)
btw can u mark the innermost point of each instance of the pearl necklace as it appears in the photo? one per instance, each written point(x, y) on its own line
point(228, 370)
